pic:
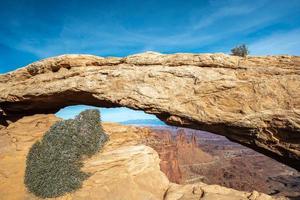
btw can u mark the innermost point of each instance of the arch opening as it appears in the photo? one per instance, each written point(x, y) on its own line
point(122, 115)
point(243, 135)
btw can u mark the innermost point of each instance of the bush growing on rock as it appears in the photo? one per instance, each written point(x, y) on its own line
point(53, 164)
point(241, 50)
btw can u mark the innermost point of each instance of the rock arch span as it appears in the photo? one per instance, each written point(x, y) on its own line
point(254, 101)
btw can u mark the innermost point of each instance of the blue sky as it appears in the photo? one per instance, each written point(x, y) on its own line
point(31, 30)
point(107, 114)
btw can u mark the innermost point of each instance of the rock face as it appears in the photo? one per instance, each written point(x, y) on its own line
point(125, 169)
point(188, 151)
point(175, 152)
point(15, 141)
point(162, 143)
point(254, 101)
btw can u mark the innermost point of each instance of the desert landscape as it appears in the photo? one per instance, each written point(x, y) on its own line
point(191, 156)
point(150, 100)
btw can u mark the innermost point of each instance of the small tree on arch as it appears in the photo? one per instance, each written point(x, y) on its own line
point(240, 50)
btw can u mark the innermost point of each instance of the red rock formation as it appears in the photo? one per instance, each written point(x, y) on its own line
point(177, 151)
point(229, 164)
point(194, 140)
point(162, 142)
point(188, 151)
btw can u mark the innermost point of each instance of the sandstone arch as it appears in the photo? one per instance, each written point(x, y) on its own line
point(254, 101)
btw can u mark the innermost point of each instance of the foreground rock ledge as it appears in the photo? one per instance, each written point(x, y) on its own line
point(124, 169)
point(254, 101)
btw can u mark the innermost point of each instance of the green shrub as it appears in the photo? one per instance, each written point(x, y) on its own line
point(241, 50)
point(53, 164)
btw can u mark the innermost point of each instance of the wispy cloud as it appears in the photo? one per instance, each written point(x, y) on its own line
point(216, 24)
point(82, 37)
point(231, 9)
point(287, 42)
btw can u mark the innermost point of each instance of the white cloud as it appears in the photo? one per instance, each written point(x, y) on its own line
point(233, 8)
point(278, 43)
point(209, 28)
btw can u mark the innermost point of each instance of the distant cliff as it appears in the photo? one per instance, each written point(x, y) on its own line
point(175, 151)
point(212, 159)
